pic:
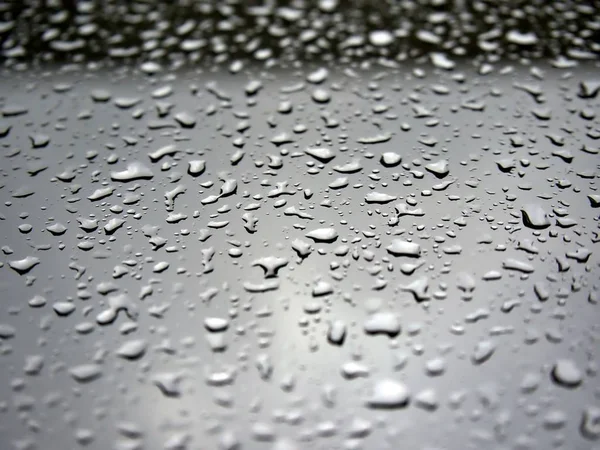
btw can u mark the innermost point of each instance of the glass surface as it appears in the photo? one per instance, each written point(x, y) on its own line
point(299, 225)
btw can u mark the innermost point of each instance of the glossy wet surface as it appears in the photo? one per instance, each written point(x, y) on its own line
point(248, 255)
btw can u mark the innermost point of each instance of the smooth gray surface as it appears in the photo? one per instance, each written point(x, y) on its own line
point(508, 401)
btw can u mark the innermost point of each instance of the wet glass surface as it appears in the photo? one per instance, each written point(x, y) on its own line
point(318, 225)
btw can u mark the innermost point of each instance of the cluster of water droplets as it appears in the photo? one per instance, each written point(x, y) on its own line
point(330, 258)
point(285, 33)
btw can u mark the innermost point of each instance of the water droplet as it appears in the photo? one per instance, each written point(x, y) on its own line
point(400, 247)
point(86, 373)
point(566, 373)
point(327, 235)
point(381, 38)
point(388, 393)
point(483, 351)
point(322, 154)
point(382, 323)
point(23, 266)
point(133, 349)
point(390, 159)
point(590, 423)
point(535, 217)
point(134, 171)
